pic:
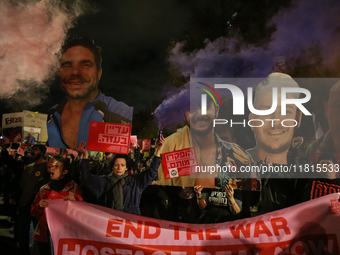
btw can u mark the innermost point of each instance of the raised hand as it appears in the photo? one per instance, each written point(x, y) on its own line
point(158, 145)
point(81, 149)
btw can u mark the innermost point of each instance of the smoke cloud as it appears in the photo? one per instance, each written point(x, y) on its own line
point(172, 110)
point(31, 35)
point(300, 30)
point(306, 28)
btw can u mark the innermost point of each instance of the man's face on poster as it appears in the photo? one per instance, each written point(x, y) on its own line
point(201, 125)
point(78, 74)
point(273, 137)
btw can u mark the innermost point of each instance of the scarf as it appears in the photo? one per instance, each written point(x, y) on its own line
point(58, 185)
point(118, 183)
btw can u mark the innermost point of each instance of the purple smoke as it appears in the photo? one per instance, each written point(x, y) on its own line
point(306, 26)
point(171, 112)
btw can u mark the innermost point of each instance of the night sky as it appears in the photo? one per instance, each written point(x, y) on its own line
point(137, 37)
point(134, 36)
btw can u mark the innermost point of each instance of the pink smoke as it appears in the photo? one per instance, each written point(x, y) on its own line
point(30, 37)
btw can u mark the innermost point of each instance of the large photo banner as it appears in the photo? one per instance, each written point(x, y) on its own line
point(81, 228)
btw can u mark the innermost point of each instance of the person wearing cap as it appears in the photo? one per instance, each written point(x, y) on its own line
point(328, 182)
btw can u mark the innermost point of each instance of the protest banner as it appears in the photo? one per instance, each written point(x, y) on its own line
point(179, 163)
point(109, 137)
point(79, 228)
point(21, 151)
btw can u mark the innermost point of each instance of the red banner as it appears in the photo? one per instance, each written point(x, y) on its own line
point(109, 137)
point(81, 228)
point(179, 163)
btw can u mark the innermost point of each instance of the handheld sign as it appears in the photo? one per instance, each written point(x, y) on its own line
point(109, 137)
point(179, 163)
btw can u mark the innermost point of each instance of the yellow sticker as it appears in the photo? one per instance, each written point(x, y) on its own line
point(37, 173)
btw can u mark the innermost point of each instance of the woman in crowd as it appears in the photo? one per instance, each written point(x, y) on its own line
point(61, 182)
point(118, 190)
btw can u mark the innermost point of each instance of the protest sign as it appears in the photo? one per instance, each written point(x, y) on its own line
point(133, 143)
point(36, 120)
point(109, 137)
point(146, 147)
point(12, 127)
point(179, 163)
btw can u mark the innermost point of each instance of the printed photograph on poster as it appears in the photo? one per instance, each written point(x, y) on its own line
point(31, 135)
point(133, 143)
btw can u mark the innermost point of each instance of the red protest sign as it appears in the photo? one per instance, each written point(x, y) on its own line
point(109, 137)
point(146, 145)
point(179, 163)
point(52, 151)
point(21, 151)
point(54, 195)
point(75, 154)
point(133, 143)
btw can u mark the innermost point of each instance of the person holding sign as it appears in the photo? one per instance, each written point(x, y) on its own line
point(327, 183)
point(79, 74)
point(218, 206)
point(118, 190)
point(60, 186)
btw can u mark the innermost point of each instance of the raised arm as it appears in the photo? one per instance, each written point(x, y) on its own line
point(147, 176)
point(96, 184)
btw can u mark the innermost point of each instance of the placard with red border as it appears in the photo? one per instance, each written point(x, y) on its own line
point(179, 163)
point(109, 137)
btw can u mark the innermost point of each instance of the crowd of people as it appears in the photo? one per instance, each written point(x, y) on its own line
point(122, 182)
